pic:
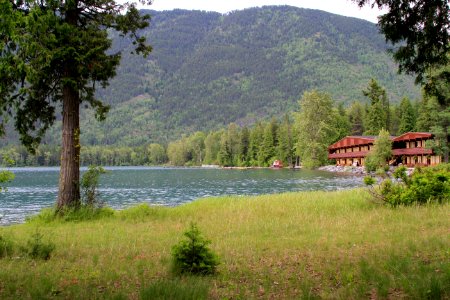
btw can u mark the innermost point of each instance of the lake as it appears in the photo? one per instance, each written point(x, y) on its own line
point(36, 188)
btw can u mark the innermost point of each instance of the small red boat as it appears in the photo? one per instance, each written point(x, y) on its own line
point(277, 164)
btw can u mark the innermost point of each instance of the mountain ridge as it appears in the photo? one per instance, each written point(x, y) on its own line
point(209, 69)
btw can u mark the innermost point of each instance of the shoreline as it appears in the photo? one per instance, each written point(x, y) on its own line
point(344, 169)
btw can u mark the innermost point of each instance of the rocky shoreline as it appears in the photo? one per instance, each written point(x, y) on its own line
point(356, 170)
point(344, 169)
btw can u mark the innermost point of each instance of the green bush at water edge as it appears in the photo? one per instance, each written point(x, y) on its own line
point(425, 185)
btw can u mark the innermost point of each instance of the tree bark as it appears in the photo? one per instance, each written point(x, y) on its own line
point(69, 177)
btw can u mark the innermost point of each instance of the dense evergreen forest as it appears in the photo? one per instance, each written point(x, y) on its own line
point(208, 70)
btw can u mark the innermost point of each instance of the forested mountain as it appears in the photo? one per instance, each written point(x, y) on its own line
point(208, 70)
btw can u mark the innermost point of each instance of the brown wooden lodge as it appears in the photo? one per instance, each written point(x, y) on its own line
point(408, 149)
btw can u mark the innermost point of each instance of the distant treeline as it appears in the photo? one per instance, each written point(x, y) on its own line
point(299, 136)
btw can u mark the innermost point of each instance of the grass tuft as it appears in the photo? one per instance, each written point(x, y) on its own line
point(187, 288)
point(84, 213)
point(142, 212)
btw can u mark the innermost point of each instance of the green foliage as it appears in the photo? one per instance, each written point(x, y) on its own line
point(371, 164)
point(356, 116)
point(212, 147)
point(89, 187)
point(5, 175)
point(400, 173)
point(259, 65)
point(193, 255)
point(378, 114)
point(285, 147)
point(156, 154)
point(341, 122)
point(427, 185)
point(53, 56)
point(85, 213)
point(6, 246)
point(80, 214)
point(37, 248)
point(369, 180)
point(407, 117)
point(315, 128)
point(186, 289)
point(421, 31)
point(142, 212)
point(428, 114)
point(435, 118)
point(380, 154)
point(437, 84)
point(72, 40)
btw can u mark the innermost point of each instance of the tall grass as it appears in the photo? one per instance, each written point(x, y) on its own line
point(297, 245)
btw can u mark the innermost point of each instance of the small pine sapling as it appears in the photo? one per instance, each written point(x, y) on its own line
point(192, 255)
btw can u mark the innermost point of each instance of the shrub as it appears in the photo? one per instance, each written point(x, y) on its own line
point(193, 255)
point(6, 247)
point(427, 185)
point(89, 186)
point(36, 248)
point(369, 180)
point(370, 164)
point(5, 175)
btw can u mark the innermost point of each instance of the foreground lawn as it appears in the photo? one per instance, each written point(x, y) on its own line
point(332, 245)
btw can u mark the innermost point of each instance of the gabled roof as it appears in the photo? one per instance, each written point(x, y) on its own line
point(413, 136)
point(350, 141)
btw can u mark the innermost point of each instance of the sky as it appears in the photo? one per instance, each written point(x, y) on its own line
point(340, 7)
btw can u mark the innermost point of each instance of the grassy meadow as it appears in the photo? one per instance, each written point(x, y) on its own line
point(331, 245)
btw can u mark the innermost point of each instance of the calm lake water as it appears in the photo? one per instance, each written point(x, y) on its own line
point(36, 188)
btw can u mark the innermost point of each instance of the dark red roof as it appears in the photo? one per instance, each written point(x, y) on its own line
point(350, 141)
point(413, 136)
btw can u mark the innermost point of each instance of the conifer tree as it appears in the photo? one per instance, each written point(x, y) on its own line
point(267, 149)
point(428, 114)
point(356, 115)
point(256, 135)
point(407, 117)
point(375, 119)
point(53, 56)
point(284, 149)
point(421, 30)
point(342, 122)
point(378, 114)
point(224, 156)
point(244, 147)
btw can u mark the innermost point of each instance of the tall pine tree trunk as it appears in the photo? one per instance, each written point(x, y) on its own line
point(69, 177)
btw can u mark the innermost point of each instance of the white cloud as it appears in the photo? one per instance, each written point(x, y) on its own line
point(340, 7)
